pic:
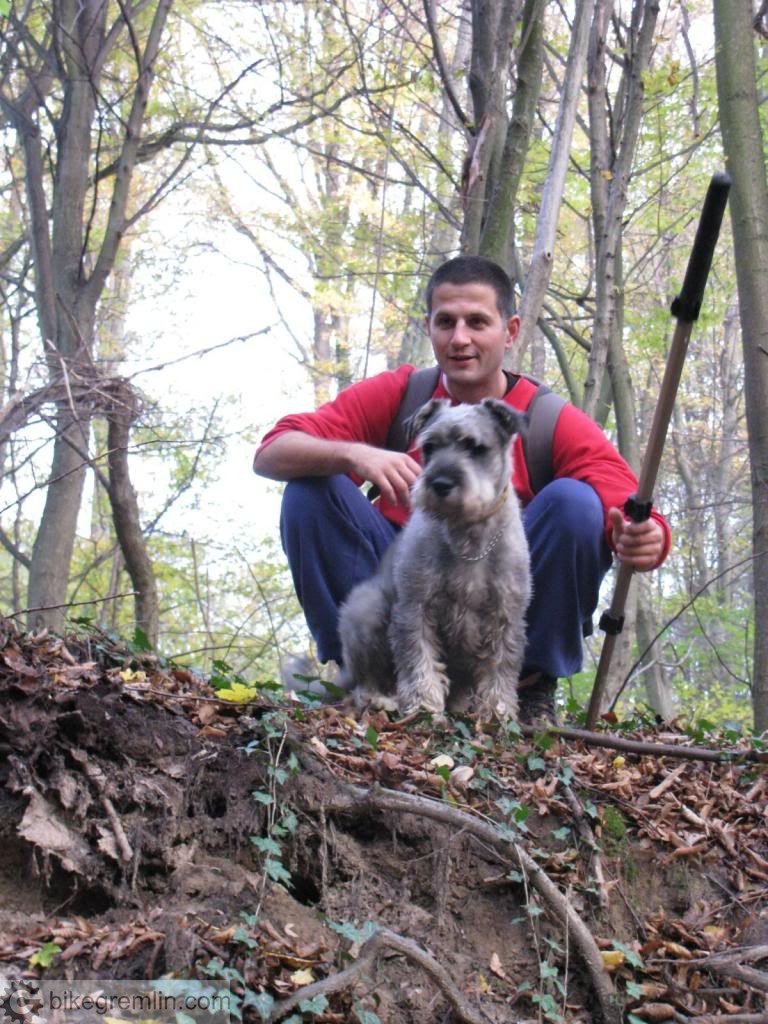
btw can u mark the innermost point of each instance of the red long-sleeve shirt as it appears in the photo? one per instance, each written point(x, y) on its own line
point(580, 450)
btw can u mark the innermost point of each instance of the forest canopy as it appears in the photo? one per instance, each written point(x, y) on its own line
point(217, 211)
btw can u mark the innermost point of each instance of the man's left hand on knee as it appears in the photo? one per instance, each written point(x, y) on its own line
point(640, 545)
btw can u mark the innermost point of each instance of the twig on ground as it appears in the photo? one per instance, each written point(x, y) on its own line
point(587, 836)
point(382, 940)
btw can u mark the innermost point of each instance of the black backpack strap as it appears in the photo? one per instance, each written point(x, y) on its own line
point(419, 389)
point(543, 414)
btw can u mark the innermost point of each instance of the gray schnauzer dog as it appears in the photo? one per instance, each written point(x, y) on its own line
point(442, 623)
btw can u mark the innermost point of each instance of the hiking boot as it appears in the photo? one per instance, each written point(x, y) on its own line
point(537, 701)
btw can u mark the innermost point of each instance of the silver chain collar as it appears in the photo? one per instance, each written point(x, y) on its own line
point(493, 542)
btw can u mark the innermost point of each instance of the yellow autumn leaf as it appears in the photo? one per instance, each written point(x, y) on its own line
point(619, 762)
point(238, 693)
point(302, 977)
point(612, 958)
point(129, 676)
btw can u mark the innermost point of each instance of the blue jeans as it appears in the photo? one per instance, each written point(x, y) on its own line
point(334, 538)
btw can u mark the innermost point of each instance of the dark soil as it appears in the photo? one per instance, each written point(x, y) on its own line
point(127, 840)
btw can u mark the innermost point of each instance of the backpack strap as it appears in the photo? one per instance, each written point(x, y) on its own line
point(543, 414)
point(419, 389)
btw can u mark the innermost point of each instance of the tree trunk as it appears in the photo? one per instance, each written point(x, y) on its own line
point(743, 144)
point(540, 269)
point(497, 238)
point(62, 82)
point(492, 27)
point(613, 181)
point(125, 511)
point(55, 540)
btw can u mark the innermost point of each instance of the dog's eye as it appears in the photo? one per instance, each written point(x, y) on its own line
point(474, 448)
point(427, 449)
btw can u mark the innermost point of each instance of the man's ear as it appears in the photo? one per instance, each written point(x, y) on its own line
point(416, 423)
point(513, 330)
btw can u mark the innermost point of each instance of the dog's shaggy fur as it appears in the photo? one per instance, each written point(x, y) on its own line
point(442, 623)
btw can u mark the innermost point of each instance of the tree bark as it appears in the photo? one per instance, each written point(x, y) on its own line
point(492, 27)
point(70, 273)
point(540, 269)
point(743, 145)
point(497, 237)
point(613, 181)
point(125, 511)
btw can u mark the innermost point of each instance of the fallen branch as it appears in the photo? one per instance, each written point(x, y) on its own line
point(599, 739)
point(385, 939)
point(348, 798)
point(731, 964)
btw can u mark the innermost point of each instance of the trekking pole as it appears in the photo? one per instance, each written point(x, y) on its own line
point(685, 309)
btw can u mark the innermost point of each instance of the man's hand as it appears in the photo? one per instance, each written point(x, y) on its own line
point(294, 454)
point(394, 473)
point(640, 545)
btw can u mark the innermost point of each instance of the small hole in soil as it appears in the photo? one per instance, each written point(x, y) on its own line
point(304, 890)
point(216, 805)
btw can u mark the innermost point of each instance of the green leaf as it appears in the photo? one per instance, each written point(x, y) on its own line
point(316, 1005)
point(536, 764)
point(262, 796)
point(241, 935)
point(372, 738)
point(45, 956)
point(366, 1016)
point(352, 932)
point(277, 872)
point(263, 1003)
point(634, 990)
point(630, 955)
point(140, 640)
point(267, 845)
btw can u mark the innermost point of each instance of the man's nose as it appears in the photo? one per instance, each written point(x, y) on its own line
point(461, 333)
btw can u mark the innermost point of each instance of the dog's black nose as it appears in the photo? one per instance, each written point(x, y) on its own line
point(442, 485)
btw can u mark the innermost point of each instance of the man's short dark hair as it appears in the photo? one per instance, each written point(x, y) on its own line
point(475, 270)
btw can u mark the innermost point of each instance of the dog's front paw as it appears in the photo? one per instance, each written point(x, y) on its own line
point(414, 695)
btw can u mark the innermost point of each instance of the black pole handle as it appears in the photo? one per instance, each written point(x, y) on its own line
point(688, 303)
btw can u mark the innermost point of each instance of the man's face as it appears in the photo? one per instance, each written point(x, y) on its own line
point(469, 337)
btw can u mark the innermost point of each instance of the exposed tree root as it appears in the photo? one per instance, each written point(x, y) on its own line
point(346, 798)
point(382, 940)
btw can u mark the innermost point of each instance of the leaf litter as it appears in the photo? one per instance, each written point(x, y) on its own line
point(128, 793)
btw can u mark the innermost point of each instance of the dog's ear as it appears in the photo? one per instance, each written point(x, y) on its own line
point(510, 421)
point(416, 423)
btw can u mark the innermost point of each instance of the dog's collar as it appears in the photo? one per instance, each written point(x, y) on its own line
point(498, 503)
point(488, 548)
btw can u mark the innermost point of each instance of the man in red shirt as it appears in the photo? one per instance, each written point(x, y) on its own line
point(334, 537)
